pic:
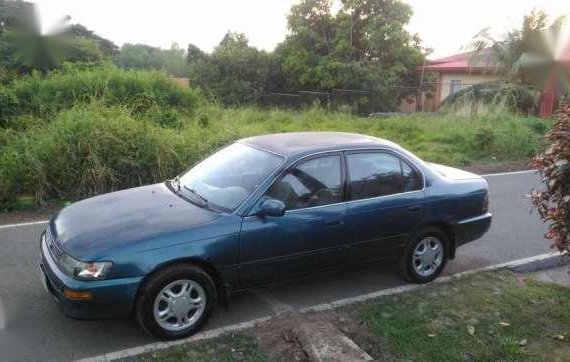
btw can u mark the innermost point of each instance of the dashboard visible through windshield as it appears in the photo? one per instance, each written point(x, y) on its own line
point(225, 179)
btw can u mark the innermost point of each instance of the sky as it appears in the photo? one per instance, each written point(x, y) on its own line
point(445, 26)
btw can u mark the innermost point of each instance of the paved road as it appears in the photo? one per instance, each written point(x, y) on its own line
point(32, 328)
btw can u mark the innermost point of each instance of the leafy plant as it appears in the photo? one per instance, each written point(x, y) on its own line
point(553, 202)
point(77, 83)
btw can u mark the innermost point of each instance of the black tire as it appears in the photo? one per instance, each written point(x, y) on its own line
point(406, 262)
point(145, 301)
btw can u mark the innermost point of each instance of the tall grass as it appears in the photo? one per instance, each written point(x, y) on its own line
point(95, 148)
point(140, 91)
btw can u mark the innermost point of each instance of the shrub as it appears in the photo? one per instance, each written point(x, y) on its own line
point(87, 151)
point(95, 148)
point(139, 91)
point(553, 202)
point(8, 105)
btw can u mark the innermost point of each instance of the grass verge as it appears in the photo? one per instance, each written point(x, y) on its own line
point(488, 316)
point(483, 317)
point(229, 347)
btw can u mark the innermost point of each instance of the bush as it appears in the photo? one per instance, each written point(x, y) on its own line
point(553, 202)
point(95, 148)
point(8, 105)
point(139, 91)
point(494, 95)
point(87, 151)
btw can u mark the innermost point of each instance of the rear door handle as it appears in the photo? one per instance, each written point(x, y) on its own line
point(415, 208)
point(334, 222)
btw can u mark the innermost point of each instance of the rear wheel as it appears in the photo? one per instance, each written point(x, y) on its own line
point(175, 302)
point(426, 256)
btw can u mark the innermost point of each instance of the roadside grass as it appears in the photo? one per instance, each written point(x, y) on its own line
point(95, 148)
point(229, 347)
point(491, 316)
point(488, 316)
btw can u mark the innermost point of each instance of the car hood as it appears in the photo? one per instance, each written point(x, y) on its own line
point(88, 228)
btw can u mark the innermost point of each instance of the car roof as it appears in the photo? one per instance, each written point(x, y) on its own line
point(300, 143)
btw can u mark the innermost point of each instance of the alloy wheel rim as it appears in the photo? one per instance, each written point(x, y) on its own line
point(179, 305)
point(427, 256)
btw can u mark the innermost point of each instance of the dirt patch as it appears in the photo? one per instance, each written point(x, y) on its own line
point(280, 337)
point(276, 338)
point(358, 331)
point(494, 167)
point(17, 217)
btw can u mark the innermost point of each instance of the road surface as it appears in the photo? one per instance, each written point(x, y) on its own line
point(32, 328)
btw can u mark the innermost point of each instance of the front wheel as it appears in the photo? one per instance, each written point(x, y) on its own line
point(426, 256)
point(175, 302)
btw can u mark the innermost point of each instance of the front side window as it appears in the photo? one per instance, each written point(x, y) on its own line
point(316, 182)
point(380, 174)
point(227, 177)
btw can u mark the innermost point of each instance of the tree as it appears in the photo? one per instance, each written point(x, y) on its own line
point(527, 56)
point(107, 47)
point(142, 56)
point(364, 46)
point(24, 47)
point(235, 72)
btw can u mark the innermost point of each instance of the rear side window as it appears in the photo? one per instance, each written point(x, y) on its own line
point(380, 174)
point(413, 180)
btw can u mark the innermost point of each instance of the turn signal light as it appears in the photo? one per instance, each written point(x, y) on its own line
point(77, 294)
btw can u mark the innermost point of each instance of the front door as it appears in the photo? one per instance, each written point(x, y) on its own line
point(311, 236)
point(385, 204)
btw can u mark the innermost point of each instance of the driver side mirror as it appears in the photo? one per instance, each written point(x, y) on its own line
point(272, 207)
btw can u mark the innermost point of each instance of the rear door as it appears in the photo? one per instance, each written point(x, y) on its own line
point(311, 236)
point(385, 203)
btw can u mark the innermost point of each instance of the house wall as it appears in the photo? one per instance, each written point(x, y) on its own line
point(466, 79)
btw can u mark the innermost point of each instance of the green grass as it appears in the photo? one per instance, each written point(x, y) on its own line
point(94, 148)
point(230, 347)
point(433, 324)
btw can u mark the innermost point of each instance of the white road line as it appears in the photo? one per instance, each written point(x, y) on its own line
point(8, 226)
point(134, 351)
point(508, 173)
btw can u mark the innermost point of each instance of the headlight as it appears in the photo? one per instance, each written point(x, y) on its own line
point(83, 271)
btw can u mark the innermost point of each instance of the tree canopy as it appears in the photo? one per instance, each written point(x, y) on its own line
point(362, 47)
point(142, 56)
point(23, 47)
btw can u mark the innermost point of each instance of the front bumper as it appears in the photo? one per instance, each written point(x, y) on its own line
point(112, 298)
point(467, 230)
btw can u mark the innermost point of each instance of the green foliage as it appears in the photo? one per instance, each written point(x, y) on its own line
point(553, 201)
point(141, 56)
point(86, 151)
point(512, 97)
point(363, 46)
point(235, 73)
point(8, 105)
point(23, 47)
point(95, 148)
point(140, 91)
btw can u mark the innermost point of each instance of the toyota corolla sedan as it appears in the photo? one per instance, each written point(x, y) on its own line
point(262, 210)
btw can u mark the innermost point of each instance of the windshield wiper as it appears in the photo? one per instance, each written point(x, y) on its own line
point(195, 193)
point(176, 183)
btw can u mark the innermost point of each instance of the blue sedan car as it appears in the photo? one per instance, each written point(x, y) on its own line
point(262, 210)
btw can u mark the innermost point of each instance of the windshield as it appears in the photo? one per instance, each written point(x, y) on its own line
point(227, 177)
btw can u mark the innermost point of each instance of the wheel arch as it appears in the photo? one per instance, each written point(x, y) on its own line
point(221, 290)
point(448, 230)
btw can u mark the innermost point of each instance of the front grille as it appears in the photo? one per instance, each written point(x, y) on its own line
point(52, 246)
